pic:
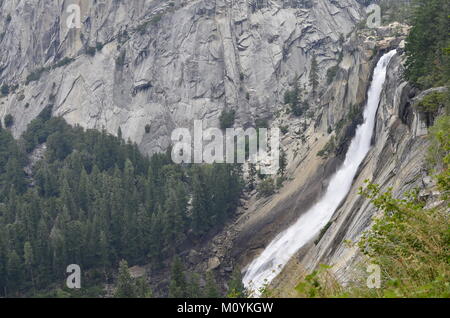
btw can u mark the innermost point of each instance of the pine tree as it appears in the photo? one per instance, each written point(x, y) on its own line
point(236, 287)
point(42, 252)
point(314, 76)
point(427, 64)
point(193, 287)
point(211, 288)
point(143, 289)
point(102, 202)
point(29, 260)
point(14, 273)
point(119, 133)
point(15, 175)
point(3, 262)
point(251, 176)
point(175, 214)
point(178, 286)
point(156, 239)
point(200, 217)
point(125, 287)
point(283, 162)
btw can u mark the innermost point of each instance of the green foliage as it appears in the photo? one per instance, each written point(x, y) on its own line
point(227, 118)
point(36, 74)
point(314, 75)
point(123, 37)
point(428, 64)
point(211, 288)
point(432, 102)
point(91, 50)
point(65, 61)
point(9, 120)
point(142, 28)
point(318, 284)
point(283, 162)
point(156, 19)
point(147, 128)
point(395, 11)
point(439, 153)
point(129, 287)
point(95, 200)
point(178, 285)
point(236, 287)
point(266, 188)
point(411, 244)
point(322, 232)
point(331, 73)
point(261, 123)
point(293, 98)
point(99, 46)
point(328, 149)
point(183, 285)
point(284, 129)
point(120, 60)
point(4, 89)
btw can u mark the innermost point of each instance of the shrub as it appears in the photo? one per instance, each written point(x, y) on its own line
point(9, 120)
point(284, 129)
point(293, 98)
point(410, 243)
point(261, 123)
point(431, 103)
point(322, 232)
point(120, 60)
point(90, 50)
point(35, 75)
point(99, 46)
point(156, 19)
point(327, 149)
point(4, 89)
point(280, 180)
point(147, 128)
point(331, 73)
point(227, 118)
point(63, 62)
point(266, 188)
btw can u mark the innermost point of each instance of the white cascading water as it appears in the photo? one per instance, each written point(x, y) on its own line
point(273, 259)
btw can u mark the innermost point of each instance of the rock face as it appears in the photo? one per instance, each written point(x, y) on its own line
point(163, 64)
point(149, 66)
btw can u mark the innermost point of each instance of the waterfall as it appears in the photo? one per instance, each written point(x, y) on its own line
point(277, 254)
